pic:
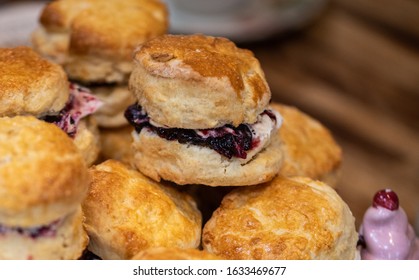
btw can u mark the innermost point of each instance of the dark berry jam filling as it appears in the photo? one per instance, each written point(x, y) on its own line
point(228, 140)
point(80, 104)
point(33, 232)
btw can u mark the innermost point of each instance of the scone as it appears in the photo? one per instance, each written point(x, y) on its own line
point(94, 41)
point(162, 253)
point(127, 212)
point(287, 218)
point(308, 147)
point(202, 114)
point(43, 179)
point(32, 85)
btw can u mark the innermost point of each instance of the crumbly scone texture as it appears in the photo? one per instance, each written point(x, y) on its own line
point(126, 213)
point(287, 218)
point(42, 174)
point(308, 147)
point(95, 39)
point(162, 253)
point(87, 139)
point(116, 144)
point(29, 84)
point(198, 82)
point(68, 243)
point(185, 164)
point(116, 100)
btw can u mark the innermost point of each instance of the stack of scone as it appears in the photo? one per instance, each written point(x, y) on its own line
point(43, 180)
point(196, 161)
point(203, 117)
point(94, 41)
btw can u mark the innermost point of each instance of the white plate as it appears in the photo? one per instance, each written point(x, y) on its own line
point(18, 21)
point(240, 20)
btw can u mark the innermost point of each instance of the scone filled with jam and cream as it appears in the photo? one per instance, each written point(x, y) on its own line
point(32, 85)
point(43, 180)
point(202, 115)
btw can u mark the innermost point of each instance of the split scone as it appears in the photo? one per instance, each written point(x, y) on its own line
point(94, 41)
point(287, 218)
point(161, 253)
point(202, 115)
point(308, 147)
point(127, 212)
point(32, 85)
point(43, 179)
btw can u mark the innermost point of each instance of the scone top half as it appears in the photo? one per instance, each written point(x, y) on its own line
point(43, 177)
point(29, 84)
point(94, 40)
point(198, 82)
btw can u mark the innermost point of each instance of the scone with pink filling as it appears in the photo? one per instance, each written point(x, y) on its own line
point(32, 85)
point(43, 180)
point(202, 114)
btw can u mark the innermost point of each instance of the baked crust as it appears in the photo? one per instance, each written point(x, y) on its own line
point(126, 213)
point(308, 147)
point(95, 39)
point(183, 164)
point(30, 84)
point(43, 176)
point(161, 253)
point(198, 82)
point(67, 244)
point(295, 218)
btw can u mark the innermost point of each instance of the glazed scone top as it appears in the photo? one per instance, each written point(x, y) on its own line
point(30, 84)
point(197, 81)
point(42, 174)
point(296, 218)
point(110, 28)
point(127, 212)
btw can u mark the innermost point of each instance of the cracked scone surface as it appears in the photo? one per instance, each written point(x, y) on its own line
point(126, 213)
point(296, 218)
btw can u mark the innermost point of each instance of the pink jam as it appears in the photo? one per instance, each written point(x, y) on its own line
point(386, 232)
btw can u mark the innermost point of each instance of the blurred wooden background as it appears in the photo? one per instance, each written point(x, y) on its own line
point(356, 69)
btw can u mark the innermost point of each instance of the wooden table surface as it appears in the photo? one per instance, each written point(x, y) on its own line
point(356, 69)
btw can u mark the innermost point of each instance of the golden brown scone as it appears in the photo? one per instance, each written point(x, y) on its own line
point(116, 144)
point(66, 241)
point(43, 177)
point(161, 253)
point(308, 147)
point(184, 164)
point(126, 213)
point(30, 84)
point(198, 82)
point(295, 218)
point(115, 100)
point(94, 40)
